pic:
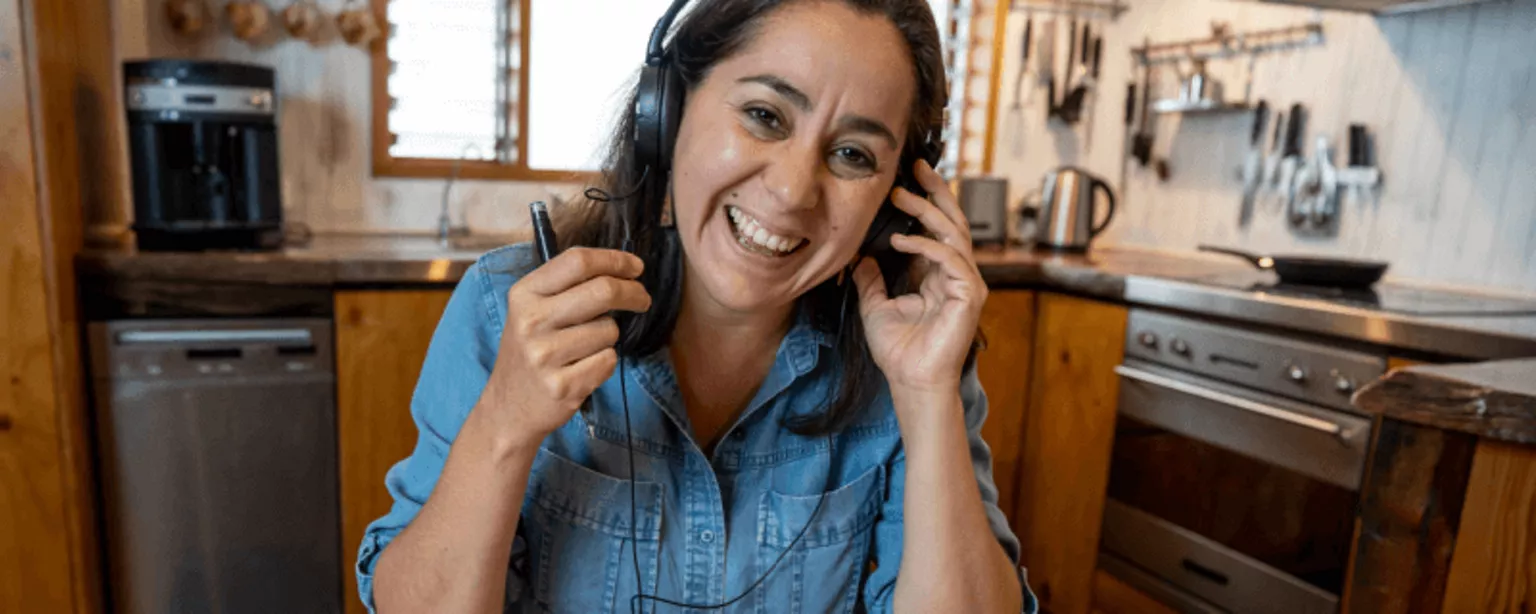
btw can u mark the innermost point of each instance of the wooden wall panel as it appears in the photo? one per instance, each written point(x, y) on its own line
point(1448, 92)
point(1493, 570)
point(1008, 321)
point(1068, 432)
point(35, 572)
point(381, 341)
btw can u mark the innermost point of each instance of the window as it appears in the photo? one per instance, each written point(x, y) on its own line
point(510, 89)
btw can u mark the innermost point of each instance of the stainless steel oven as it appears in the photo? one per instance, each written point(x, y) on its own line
point(1236, 466)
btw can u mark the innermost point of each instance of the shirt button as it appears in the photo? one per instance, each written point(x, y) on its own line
point(706, 536)
point(738, 435)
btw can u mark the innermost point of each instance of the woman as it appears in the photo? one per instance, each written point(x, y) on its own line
point(790, 438)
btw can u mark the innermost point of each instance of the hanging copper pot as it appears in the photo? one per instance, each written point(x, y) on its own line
point(301, 19)
point(357, 25)
point(248, 19)
point(187, 17)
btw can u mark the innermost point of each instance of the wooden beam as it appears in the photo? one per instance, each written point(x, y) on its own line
point(35, 569)
point(81, 170)
point(1410, 508)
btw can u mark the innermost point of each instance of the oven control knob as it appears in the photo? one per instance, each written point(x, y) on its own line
point(1342, 383)
point(1179, 346)
point(1296, 373)
point(1148, 339)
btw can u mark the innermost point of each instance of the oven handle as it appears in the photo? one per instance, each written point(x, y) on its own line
point(1285, 415)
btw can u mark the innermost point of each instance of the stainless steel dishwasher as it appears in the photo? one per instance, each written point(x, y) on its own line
point(217, 444)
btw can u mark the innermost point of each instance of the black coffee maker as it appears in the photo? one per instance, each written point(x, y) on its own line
point(203, 142)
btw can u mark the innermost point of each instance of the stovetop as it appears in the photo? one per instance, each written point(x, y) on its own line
point(1384, 297)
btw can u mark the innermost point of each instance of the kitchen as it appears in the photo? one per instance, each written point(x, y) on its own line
point(1387, 487)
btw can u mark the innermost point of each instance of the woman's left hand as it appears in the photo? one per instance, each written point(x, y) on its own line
point(920, 340)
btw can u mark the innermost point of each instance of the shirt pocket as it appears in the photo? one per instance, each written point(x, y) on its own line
point(823, 570)
point(580, 542)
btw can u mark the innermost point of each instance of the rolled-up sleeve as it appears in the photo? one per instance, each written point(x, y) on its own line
point(880, 586)
point(457, 366)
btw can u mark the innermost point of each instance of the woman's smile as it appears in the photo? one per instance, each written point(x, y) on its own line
point(756, 236)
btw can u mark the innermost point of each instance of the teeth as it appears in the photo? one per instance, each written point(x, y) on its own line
point(749, 232)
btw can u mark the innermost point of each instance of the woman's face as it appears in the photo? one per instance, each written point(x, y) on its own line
point(786, 151)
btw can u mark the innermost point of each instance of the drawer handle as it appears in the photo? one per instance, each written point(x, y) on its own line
point(1204, 572)
point(1283, 415)
point(5, 422)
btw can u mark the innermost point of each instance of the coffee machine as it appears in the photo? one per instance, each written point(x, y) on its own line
point(203, 143)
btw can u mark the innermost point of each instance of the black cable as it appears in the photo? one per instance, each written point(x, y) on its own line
point(640, 597)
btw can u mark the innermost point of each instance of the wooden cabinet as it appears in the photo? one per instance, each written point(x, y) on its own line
point(381, 341)
point(1008, 322)
point(1111, 596)
point(1493, 568)
point(1069, 429)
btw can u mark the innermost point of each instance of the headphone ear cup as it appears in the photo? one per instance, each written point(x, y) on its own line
point(647, 114)
point(671, 116)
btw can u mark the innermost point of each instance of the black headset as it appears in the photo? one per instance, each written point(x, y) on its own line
point(659, 108)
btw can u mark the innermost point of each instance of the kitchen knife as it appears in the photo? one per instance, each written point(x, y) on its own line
point(1251, 163)
point(1291, 154)
point(1092, 95)
point(1272, 160)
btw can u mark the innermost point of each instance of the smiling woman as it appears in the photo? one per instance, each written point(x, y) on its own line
point(785, 404)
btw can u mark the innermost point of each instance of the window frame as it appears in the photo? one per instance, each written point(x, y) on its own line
point(386, 165)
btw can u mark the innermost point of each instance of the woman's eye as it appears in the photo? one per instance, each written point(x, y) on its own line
point(764, 117)
point(854, 157)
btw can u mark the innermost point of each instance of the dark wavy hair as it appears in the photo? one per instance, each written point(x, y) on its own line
point(711, 31)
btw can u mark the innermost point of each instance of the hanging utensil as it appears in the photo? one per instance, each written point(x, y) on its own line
point(1066, 74)
point(1272, 159)
point(1125, 137)
point(1016, 110)
point(1045, 60)
point(1251, 163)
point(1291, 154)
point(1141, 144)
point(1092, 96)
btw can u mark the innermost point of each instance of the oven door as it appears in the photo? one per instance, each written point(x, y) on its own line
point(1244, 499)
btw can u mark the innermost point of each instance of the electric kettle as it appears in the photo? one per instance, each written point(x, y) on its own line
point(1064, 219)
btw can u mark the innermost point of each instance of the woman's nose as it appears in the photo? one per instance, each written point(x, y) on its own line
point(791, 179)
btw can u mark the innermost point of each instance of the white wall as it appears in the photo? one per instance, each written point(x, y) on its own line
point(324, 126)
point(1450, 94)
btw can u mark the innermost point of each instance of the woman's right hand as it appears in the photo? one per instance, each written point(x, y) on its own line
point(558, 342)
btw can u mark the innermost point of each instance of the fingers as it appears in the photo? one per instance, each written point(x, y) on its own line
point(569, 345)
point(941, 197)
point(932, 218)
point(592, 298)
point(950, 260)
point(579, 264)
point(579, 380)
point(871, 284)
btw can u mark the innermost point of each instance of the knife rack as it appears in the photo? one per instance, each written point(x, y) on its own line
point(1223, 43)
point(1077, 8)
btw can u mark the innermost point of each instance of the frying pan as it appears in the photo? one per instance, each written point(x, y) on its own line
point(1312, 271)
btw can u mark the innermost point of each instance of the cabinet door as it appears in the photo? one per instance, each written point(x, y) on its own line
point(1008, 321)
point(1068, 432)
point(381, 341)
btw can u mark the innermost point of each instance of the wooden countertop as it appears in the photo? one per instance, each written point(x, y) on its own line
point(1493, 400)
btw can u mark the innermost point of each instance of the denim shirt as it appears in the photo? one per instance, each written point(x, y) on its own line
point(706, 526)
